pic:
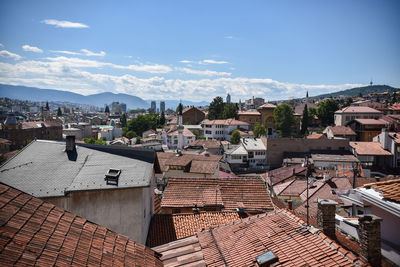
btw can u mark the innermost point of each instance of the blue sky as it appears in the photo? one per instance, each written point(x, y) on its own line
point(196, 50)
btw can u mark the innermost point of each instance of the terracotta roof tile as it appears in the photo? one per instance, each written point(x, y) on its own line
point(390, 189)
point(240, 243)
point(170, 227)
point(369, 148)
point(278, 175)
point(341, 130)
point(33, 232)
point(229, 193)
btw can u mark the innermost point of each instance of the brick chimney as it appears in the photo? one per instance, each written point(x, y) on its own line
point(370, 238)
point(70, 143)
point(326, 216)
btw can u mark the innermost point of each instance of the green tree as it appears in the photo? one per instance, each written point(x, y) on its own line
point(394, 98)
point(259, 130)
point(326, 111)
point(123, 120)
point(235, 137)
point(216, 108)
point(137, 141)
point(107, 109)
point(143, 123)
point(304, 121)
point(130, 134)
point(162, 118)
point(230, 111)
point(284, 119)
point(359, 94)
point(59, 113)
point(347, 102)
point(47, 105)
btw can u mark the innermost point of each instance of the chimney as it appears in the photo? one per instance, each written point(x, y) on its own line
point(290, 204)
point(70, 143)
point(326, 217)
point(370, 238)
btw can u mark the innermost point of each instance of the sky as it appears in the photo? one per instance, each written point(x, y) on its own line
point(197, 50)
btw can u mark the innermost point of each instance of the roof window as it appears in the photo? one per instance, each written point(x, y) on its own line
point(112, 176)
point(267, 259)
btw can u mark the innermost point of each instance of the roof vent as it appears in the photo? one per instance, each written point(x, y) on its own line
point(112, 176)
point(266, 259)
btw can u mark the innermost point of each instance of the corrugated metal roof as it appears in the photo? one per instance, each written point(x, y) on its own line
point(44, 169)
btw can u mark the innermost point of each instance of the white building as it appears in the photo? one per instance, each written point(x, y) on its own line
point(108, 132)
point(222, 129)
point(171, 137)
point(257, 152)
point(347, 114)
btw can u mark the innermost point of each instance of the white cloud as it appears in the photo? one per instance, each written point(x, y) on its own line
point(32, 49)
point(211, 61)
point(228, 37)
point(7, 54)
point(146, 68)
point(64, 23)
point(203, 72)
point(185, 61)
point(1, 45)
point(66, 74)
point(93, 54)
point(65, 52)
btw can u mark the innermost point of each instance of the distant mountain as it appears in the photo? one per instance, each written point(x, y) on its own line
point(365, 90)
point(36, 94)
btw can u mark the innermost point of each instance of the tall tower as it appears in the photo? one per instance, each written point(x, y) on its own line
point(228, 98)
point(240, 105)
point(307, 97)
point(180, 127)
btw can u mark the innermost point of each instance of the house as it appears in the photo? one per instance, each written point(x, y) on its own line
point(381, 199)
point(188, 195)
point(325, 161)
point(186, 165)
point(283, 174)
point(108, 132)
point(256, 152)
point(166, 228)
point(271, 239)
point(21, 133)
point(366, 129)
point(347, 114)
point(371, 154)
point(250, 116)
point(222, 129)
point(192, 115)
point(340, 132)
point(267, 118)
point(171, 137)
point(148, 133)
point(109, 185)
point(35, 232)
point(212, 146)
point(236, 156)
point(390, 141)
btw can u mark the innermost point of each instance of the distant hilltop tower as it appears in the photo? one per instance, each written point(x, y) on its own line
point(371, 83)
point(307, 97)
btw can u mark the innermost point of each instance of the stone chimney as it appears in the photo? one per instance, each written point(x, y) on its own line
point(70, 143)
point(326, 216)
point(370, 239)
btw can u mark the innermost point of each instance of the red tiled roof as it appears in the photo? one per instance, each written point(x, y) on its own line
point(266, 105)
point(295, 188)
point(283, 173)
point(206, 143)
point(34, 232)
point(316, 136)
point(225, 122)
point(369, 148)
point(249, 112)
point(357, 109)
point(170, 227)
point(328, 190)
point(38, 124)
point(231, 193)
point(390, 189)
point(372, 121)
point(342, 130)
point(240, 243)
point(164, 160)
point(395, 136)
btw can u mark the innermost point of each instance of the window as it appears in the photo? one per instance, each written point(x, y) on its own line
point(208, 132)
point(176, 211)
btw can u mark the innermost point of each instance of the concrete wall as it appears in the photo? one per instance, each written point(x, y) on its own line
point(277, 146)
point(125, 211)
point(389, 225)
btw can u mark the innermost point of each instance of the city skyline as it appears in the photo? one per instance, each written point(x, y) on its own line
point(196, 51)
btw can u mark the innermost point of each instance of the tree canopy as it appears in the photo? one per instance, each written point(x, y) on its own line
point(326, 110)
point(230, 111)
point(304, 121)
point(59, 113)
point(216, 108)
point(235, 137)
point(143, 123)
point(284, 119)
point(259, 130)
point(123, 120)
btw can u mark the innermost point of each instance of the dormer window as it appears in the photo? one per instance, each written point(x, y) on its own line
point(112, 176)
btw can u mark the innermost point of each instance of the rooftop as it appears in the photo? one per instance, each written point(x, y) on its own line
point(240, 243)
point(278, 175)
point(45, 169)
point(389, 189)
point(341, 130)
point(369, 148)
point(206, 143)
point(170, 227)
point(249, 112)
point(229, 193)
point(34, 232)
point(372, 121)
point(358, 109)
point(266, 106)
point(226, 122)
point(253, 144)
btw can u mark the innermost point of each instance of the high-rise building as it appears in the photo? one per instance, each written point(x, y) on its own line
point(123, 107)
point(228, 98)
point(162, 106)
point(153, 107)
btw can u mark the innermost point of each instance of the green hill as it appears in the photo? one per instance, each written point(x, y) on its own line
point(365, 90)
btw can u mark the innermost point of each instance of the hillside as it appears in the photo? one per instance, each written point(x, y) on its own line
point(365, 90)
point(36, 94)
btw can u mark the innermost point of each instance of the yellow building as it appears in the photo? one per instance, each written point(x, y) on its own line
point(267, 117)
